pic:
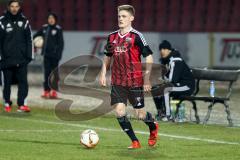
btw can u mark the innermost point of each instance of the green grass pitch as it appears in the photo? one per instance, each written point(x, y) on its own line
point(40, 135)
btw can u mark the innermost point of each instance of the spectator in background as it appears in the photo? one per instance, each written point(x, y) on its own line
point(179, 75)
point(52, 53)
point(15, 53)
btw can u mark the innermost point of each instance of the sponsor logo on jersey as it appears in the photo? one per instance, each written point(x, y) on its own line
point(9, 25)
point(20, 23)
point(54, 32)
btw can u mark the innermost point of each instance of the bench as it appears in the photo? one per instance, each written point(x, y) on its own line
point(216, 75)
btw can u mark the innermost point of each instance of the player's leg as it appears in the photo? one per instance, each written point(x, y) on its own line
point(21, 75)
point(119, 101)
point(55, 78)
point(47, 71)
point(124, 122)
point(147, 118)
point(6, 84)
point(136, 98)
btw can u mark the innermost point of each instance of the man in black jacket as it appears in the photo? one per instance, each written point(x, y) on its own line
point(52, 52)
point(16, 52)
point(180, 77)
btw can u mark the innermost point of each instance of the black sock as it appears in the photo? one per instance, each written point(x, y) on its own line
point(127, 127)
point(150, 121)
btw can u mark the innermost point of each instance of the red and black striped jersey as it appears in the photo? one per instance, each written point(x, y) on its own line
point(126, 51)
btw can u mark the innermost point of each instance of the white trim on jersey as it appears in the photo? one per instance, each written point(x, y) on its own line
point(26, 24)
point(121, 36)
point(2, 79)
point(32, 42)
point(2, 26)
point(172, 65)
point(141, 37)
point(59, 27)
point(113, 32)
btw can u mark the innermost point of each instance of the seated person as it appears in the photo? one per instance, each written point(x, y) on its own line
point(180, 77)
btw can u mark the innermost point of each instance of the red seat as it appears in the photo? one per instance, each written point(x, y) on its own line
point(148, 16)
point(212, 15)
point(199, 16)
point(2, 8)
point(223, 20)
point(174, 16)
point(161, 16)
point(81, 15)
point(109, 15)
point(55, 6)
point(122, 2)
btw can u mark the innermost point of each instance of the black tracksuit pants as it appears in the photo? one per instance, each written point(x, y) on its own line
point(162, 100)
point(50, 66)
point(15, 75)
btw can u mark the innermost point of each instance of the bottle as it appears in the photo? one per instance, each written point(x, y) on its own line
point(173, 107)
point(212, 89)
point(181, 113)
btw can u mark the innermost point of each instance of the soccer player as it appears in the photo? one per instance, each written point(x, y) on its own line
point(16, 53)
point(125, 48)
point(52, 53)
point(179, 75)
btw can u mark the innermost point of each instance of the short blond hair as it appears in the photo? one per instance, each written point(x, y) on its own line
point(127, 8)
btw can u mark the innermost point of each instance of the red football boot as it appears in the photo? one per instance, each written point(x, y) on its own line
point(135, 145)
point(46, 94)
point(8, 108)
point(153, 136)
point(53, 94)
point(23, 109)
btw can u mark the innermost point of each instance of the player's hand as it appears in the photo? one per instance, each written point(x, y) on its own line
point(147, 86)
point(103, 80)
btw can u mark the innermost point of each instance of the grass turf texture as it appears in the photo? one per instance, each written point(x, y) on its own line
point(42, 136)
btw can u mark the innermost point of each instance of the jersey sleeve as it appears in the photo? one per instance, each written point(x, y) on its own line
point(29, 40)
point(60, 45)
point(108, 49)
point(175, 71)
point(1, 37)
point(143, 46)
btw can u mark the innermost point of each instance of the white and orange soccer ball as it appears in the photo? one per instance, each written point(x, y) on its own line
point(89, 138)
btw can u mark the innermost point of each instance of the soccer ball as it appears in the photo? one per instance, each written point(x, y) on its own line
point(89, 138)
point(38, 42)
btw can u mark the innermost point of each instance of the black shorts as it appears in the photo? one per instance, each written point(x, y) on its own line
point(135, 96)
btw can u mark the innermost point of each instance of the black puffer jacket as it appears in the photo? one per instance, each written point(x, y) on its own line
point(53, 41)
point(15, 40)
point(178, 71)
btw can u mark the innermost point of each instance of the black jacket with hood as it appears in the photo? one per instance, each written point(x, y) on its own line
point(16, 47)
point(53, 41)
point(179, 74)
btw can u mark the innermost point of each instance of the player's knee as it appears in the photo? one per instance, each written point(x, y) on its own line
point(141, 114)
point(120, 111)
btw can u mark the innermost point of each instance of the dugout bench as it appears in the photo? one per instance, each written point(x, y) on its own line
point(229, 76)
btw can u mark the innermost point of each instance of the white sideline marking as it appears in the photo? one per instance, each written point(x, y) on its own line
point(116, 130)
point(38, 130)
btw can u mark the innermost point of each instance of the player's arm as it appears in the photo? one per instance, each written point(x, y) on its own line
point(147, 53)
point(1, 38)
point(29, 41)
point(147, 84)
point(105, 66)
point(106, 63)
point(60, 43)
